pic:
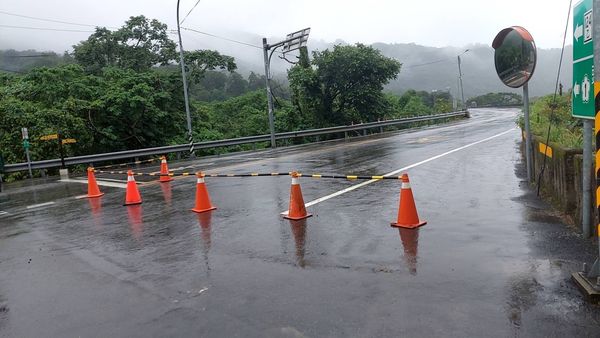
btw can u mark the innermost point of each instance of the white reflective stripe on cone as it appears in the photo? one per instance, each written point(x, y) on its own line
point(405, 185)
point(200, 180)
point(295, 181)
point(130, 178)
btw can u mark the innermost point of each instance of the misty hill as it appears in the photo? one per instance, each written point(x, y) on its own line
point(479, 75)
point(424, 68)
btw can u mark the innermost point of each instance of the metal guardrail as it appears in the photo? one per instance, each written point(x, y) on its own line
point(96, 158)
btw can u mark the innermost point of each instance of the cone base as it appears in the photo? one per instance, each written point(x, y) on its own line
point(94, 196)
point(132, 203)
point(164, 180)
point(297, 217)
point(409, 226)
point(203, 210)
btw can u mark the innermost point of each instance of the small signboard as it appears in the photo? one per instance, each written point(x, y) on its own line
point(583, 61)
point(49, 137)
point(69, 140)
point(24, 133)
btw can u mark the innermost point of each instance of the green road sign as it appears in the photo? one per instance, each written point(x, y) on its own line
point(583, 61)
point(26, 144)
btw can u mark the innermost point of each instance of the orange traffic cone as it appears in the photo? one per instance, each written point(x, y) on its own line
point(202, 199)
point(297, 209)
point(93, 190)
point(164, 171)
point(407, 212)
point(132, 195)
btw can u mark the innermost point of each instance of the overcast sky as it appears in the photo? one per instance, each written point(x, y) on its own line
point(427, 22)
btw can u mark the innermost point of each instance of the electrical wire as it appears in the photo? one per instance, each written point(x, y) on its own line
point(47, 29)
point(188, 14)
point(28, 56)
point(11, 71)
point(52, 20)
point(553, 107)
point(221, 37)
point(434, 62)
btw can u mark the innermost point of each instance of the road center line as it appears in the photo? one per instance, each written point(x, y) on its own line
point(395, 172)
point(39, 205)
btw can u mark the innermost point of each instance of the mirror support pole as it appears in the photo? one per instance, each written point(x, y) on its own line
point(528, 152)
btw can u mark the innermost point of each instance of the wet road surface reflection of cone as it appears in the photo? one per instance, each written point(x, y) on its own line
point(204, 220)
point(167, 194)
point(202, 199)
point(164, 171)
point(297, 209)
point(299, 232)
point(136, 224)
point(410, 242)
point(407, 211)
point(93, 190)
point(132, 195)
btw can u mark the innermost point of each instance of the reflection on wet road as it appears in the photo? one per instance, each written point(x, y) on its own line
point(488, 263)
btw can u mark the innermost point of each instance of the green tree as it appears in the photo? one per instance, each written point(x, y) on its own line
point(201, 61)
point(344, 85)
point(255, 82)
point(140, 44)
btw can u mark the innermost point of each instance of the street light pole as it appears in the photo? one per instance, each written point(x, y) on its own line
point(269, 93)
point(292, 42)
point(462, 94)
point(185, 88)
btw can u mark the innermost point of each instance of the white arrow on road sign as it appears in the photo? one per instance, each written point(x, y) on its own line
point(585, 89)
point(576, 88)
point(578, 32)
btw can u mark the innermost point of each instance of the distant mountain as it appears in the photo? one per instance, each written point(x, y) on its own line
point(423, 68)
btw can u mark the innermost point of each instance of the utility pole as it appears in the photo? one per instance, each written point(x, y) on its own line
point(185, 88)
point(269, 93)
point(293, 41)
point(462, 94)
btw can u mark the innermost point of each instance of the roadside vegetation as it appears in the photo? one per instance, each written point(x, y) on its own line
point(565, 131)
point(121, 90)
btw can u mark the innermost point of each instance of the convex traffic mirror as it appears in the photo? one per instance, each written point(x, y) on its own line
point(515, 56)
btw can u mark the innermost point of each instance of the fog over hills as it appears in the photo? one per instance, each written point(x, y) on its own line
point(423, 68)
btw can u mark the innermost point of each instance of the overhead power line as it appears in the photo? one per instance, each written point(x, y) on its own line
point(221, 37)
point(47, 29)
point(11, 71)
point(436, 61)
point(28, 56)
point(52, 20)
point(188, 14)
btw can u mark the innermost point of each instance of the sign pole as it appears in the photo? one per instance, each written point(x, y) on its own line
point(586, 224)
point(527, 132)
point(25, 135)
point(595, 271)
point(61, 150)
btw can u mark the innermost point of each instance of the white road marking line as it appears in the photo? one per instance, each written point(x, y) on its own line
point(39, 205)
point(101, 182)
point(395, 172)
point(80, 197)
point(3, 213)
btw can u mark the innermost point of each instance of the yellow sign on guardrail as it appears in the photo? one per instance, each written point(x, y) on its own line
point(49, 137)
point(69, 140)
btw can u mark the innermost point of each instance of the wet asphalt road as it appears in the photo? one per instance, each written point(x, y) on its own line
point(492, 261)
